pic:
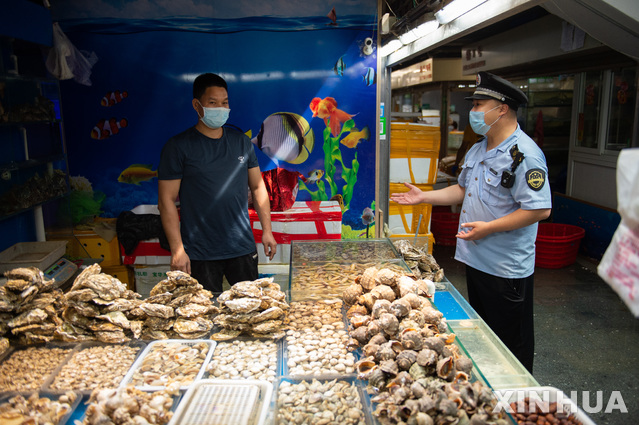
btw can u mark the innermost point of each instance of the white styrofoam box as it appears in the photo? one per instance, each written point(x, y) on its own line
point(431, 117)
point(146, 277)
point(542, 396)
point(422, 170)
point(306, 220)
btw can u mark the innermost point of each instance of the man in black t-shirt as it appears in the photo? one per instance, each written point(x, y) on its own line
point(209, 167)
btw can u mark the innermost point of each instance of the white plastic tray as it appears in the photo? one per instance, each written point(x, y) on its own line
point(541, 395)
point(223, 401)
point(129, 376)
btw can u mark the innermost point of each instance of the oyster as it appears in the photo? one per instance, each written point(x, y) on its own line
point(80, 280)
point(192, 310)
point(198, 324)
point(158, 323)
point(29, 274)
point(163, 298)
point(28, 317)
point(246, 289)
point(268, 314)
point(166, 285)
point(243, 305)
point(17, 284)
point(117, 318)
point(225, 334)
point(267, 326)
point(112, 336)
point(105, 286)
point(157, 310)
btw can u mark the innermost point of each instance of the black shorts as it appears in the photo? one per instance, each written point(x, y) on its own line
point(210, 273)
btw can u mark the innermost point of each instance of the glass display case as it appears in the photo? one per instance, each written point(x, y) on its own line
point(321, 270)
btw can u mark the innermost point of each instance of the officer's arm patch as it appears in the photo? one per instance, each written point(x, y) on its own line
point(535, 177)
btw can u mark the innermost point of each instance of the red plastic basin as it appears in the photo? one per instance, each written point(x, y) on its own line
point(557, 245)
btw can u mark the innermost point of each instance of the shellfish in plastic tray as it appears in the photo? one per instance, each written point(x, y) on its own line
point(344, 250)
point(38, 407)
point(326, 399)
point(545, 399)
point(94, 364)
point(222, 401)
point(246, 358)
point(168, 361)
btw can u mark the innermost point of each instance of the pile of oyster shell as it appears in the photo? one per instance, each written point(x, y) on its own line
point(98, 307)
point(256, 308)
point(410, 361)
point(29, 306)
point(177, 307)
point(420, 262)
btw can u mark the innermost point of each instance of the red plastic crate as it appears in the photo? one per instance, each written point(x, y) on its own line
point(557, 245)
point(444, 227)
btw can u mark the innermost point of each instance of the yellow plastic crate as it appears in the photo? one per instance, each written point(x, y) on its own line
point(414, 153)
point(403, 219)
point(97, 247)
point(123, 273)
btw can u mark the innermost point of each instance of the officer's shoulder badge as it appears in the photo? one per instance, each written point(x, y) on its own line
point(535, 177)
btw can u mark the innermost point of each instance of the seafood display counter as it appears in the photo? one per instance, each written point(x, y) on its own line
point(301, 347)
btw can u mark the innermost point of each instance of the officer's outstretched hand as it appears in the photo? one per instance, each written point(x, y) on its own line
point(413, 196)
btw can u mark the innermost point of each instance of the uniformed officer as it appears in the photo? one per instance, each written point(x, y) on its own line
point(504, 193)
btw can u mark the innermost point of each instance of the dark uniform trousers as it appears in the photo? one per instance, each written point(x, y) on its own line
point(210, 274)
point(506, 305)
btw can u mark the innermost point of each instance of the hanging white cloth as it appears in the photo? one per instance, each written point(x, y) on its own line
point(65, 61)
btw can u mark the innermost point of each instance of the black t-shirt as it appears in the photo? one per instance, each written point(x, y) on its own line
point(213, 194)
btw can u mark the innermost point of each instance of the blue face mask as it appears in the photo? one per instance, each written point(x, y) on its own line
point(215, 117)
point(477, 122)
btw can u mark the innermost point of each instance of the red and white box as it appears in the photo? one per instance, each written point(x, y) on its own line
point(306, 220)
point(149, 251)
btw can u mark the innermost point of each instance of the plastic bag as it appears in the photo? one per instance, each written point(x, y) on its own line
point(282, 186)
point(64, 61)
point(619, 266)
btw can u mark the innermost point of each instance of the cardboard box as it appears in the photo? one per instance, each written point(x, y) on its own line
point(310, 220)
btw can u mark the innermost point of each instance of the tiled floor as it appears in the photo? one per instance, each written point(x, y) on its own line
point(586, 338)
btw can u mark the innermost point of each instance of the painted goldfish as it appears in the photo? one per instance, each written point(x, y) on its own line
point(137, 173)
point(355, 137)
point(327, 110)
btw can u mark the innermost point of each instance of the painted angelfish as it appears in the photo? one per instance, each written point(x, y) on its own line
point(285, 136)
point(369, 76)
point(137, 173)
point(338, 69)
point(367, 216)
point(327, 110)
